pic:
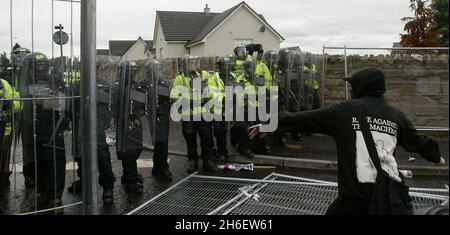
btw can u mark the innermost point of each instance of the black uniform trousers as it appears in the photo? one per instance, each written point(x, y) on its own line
point(220, 133)
point(161, 151)
point(204, 131)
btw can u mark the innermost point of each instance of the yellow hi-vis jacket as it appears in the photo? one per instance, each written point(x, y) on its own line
point(262, 70)
point(184, 81)
point(8, 93)
point(310, 81)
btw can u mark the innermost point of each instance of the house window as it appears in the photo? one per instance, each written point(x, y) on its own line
point(243, 42)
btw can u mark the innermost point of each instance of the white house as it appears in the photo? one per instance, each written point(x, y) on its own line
point(211, 34)
point(139, 49)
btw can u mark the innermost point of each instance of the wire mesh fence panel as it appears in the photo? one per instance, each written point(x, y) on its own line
point(276, 194)
point(37, 157)
point(416, 79)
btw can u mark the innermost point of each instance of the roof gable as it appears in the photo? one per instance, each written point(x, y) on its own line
point(212, 24)
point(120, 47)
point(217, 20)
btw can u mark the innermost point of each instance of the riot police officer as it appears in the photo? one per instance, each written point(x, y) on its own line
point(220, 126)
point(271, 60)
point(262, 79)
point(8, 108)
point(159, 101)
point(43, 123)
point(130, 110)
point(194, 122)
point(311, 83)
point(238, 130)
point(106, 175)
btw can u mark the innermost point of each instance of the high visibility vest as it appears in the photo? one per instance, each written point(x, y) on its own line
point(8, 93)
point(310, 81)
point(218, 91)
point(263, 71)
point(184, 81)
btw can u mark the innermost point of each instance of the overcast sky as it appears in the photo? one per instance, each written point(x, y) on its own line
point(305, 23)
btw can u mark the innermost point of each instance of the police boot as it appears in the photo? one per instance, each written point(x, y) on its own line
point(134, 187)
point(75, 187)
point(163, 175)
point(192, 166)
point(267, 149)
point(4, 180)
point(248, 154)
point(283, 142)
point(108, 196)
point(209, 166)
point(223, 158)
point(297, 137)
point(29, 182)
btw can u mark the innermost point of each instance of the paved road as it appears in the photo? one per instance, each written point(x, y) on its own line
point(13, 203)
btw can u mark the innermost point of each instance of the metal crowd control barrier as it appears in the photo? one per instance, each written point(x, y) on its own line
point(416, 79)
point(45, 137)
point(275, 194)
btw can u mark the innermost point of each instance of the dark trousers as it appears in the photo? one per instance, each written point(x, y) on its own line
point(344, 205)
point(51, 175)
point(160, 155)
point(129, 165)
point(49, 168)
point(220, 133)
point(106, 175)
point(239, 132)
point(161, 151)
point(204, 131)
point(5, 151)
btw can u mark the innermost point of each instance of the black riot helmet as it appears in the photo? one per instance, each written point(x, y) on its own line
point(190, 65)
point(271, 59)
point(224, 66)
point(127, 70)
point(153, 70)
point(240, 52)
point(18, 55)
point(308, 59)
point(248, 68)
point(283, 59)
point(36, 67)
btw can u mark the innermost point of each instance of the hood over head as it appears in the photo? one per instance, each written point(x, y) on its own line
point(367, 82)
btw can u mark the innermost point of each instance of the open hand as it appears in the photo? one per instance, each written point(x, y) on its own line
point(254, 131)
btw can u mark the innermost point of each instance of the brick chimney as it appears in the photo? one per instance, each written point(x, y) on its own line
point(207, 10)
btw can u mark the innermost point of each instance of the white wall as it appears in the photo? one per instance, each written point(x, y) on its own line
point(175, 50)
point(241, 25)
point(169, 49)
point(137, 52)
point(198, 50)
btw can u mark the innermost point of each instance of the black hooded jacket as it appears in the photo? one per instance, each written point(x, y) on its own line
point(388, 125)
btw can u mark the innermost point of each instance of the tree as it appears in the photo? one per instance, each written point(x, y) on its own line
point(4, 61)
point(439, 22)
point(418, 33)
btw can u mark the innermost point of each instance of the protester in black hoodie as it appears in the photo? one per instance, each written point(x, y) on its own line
point(389, 128)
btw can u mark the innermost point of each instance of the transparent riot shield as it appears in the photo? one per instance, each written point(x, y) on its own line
point(296, 82)
point(131, 105)
point(43, 125)
point(159, 103)
point(281, 78)
point(307, 81)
